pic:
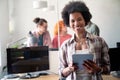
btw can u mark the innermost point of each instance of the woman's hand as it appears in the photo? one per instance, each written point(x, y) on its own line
point(91, 66)
point(71, 67)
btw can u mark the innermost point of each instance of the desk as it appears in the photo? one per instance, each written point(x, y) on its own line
point(56, 77)
point(46, 77)
point(109, 77)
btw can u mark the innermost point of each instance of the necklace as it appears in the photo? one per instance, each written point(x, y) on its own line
point(81, 45)
point(81, 41)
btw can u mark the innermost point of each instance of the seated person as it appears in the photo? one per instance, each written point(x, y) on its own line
point(62, 36)
point(40, 36)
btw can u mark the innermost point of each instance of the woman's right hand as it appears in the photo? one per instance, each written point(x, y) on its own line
point(71, 68)
point(75, 65)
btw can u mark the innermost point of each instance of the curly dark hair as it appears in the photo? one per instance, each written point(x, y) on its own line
point(76, 6)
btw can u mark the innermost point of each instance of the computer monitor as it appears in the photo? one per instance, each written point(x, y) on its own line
point(114, 54)
point(28, 59)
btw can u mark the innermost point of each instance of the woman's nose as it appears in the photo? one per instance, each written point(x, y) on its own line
point(76, 23)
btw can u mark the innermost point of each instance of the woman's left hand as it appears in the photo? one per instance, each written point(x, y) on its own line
point(91, 66)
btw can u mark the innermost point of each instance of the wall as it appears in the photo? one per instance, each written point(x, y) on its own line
point(24, 13)
point(4, 34)
point(105, 15)
point(54, 61)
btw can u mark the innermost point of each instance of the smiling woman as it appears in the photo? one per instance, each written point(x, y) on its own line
point(21, 14)
point(76, 15)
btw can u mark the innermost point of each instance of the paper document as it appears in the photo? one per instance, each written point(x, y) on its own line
point(79, 59)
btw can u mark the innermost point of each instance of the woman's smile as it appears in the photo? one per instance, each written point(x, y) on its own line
point(77, 22)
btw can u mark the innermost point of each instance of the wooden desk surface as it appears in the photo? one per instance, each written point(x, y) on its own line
point(56, 77)
point(109, 77)
point(47, 77)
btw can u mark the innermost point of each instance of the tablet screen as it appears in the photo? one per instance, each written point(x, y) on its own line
point(79, 59)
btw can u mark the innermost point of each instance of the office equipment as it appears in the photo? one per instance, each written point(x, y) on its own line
point(118, 44)
point(114, 54)
point(11, 76)
point(80, 58)
point(28, 60)
point(115, 73)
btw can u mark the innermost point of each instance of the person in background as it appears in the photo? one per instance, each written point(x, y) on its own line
point(40, 36)
point(76, 15)
point(62, 36)
point(93, 28)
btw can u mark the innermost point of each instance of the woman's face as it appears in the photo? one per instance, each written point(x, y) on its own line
point(77, 22)
point(42, 28)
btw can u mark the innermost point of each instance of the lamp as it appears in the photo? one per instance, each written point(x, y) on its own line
point(39, 4)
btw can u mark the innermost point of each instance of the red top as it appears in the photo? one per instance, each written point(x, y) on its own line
point(62, 39)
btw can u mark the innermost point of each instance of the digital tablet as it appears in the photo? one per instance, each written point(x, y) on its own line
point(80, 58)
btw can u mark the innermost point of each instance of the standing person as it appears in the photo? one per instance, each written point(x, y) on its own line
point(93, 28)
point(40, 36)
point(76, 15)
point(62, 36)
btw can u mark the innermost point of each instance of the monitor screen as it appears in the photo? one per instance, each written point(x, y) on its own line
point(114, 59)
point(28, 59)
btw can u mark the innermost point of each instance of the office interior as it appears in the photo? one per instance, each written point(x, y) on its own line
point(16, 20)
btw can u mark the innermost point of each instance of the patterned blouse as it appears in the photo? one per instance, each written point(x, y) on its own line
point(46, 39)
point(96, 45)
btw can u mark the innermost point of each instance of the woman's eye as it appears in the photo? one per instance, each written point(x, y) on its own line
point(72, 21)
